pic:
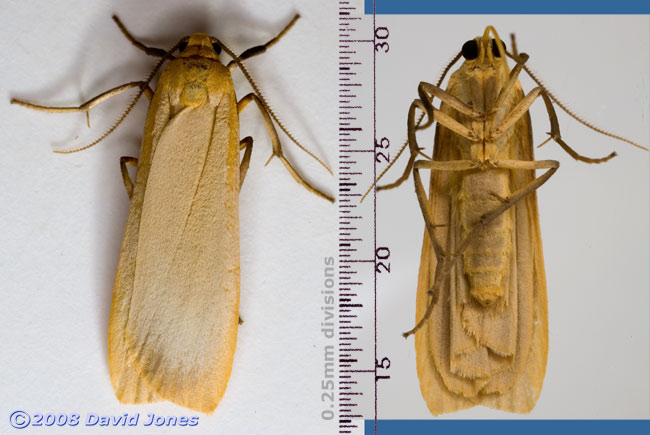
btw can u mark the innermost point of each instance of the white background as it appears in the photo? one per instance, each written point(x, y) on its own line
point(62, 216)
point(594, 218)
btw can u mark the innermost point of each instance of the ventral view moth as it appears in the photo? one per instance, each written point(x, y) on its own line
point(175, 309)
point(482, 328)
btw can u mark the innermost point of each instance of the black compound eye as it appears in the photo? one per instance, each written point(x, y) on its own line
point(182, 46)
point(216, 47)
point(495, 48)
point(470, 49)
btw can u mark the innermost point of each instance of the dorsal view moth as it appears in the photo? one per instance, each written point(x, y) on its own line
point(175, 309)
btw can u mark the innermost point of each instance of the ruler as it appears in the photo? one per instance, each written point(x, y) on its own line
point(357, 291)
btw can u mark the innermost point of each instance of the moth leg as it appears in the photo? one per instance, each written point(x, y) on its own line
point(464, 165)
point(455, 165)
point(411, 128)
point(424, 103)
point(151, 51)
point(259, 49)
point(446, 261)
point(523, 106)
point(428, 92)
point(555, 135)
point(512, 79)
point(247, 144)
point(515, 114)
point(277, 147)
point(516, 196)
point(128, 183)
point(85, 107)
point(425, 106)
point(148, 92)
point(513, 44)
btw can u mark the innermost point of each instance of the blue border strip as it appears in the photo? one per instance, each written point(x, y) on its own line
point(509, 7)
point(507, 427)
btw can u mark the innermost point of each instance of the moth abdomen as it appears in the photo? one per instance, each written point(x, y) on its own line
point(487, 259)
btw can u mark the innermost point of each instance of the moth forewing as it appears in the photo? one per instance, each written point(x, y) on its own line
point(187, 171)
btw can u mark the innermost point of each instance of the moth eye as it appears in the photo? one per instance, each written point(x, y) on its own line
point(216, 47)
point(470, 49)
point(182, 46)
point(495, 48)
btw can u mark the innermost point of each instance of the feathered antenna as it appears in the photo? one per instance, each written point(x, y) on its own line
point(256, 89)
point(129, 107)
point(515, 55)
point(576, 117)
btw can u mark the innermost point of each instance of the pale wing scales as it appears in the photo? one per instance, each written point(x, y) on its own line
point(183, 318)
point(126, 379)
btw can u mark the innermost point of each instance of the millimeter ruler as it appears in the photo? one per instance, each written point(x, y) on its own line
point(358, 366)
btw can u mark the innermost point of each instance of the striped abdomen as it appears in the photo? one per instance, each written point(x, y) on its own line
point(486, 259)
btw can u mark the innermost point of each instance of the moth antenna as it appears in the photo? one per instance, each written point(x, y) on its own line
point(446, 69)
point(128, 109)
point(441, 77)
point(533, 76)
point(256, 89)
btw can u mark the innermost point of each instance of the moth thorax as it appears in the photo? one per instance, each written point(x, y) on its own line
point(194, 94)
point(486, 260)
point(484, 88)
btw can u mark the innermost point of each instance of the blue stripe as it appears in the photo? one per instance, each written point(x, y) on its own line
point(508, 427)
point(509, 7)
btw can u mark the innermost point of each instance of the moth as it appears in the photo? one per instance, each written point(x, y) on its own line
point(175, 309)
point(481, 333)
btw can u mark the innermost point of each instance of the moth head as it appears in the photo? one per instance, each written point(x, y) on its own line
point(484, 52)
point(199, 44)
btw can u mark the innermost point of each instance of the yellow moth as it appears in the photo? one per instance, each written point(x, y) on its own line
point(481, 335)
point(175, 310)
